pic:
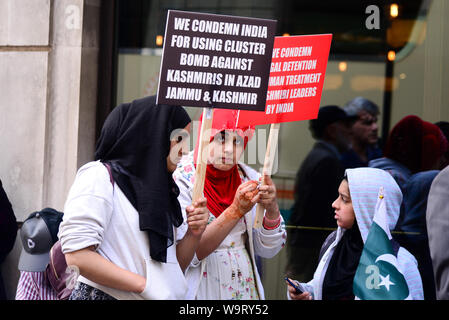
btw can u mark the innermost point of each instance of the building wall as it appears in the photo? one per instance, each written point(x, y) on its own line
point(48, 81)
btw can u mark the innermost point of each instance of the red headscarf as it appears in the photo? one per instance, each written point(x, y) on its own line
point(220, 186)
point(415, 143)
point(434, 145)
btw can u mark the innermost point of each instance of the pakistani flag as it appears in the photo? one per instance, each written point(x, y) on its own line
point(378, 276)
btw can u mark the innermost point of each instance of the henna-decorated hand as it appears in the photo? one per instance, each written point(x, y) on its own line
point(245, 198)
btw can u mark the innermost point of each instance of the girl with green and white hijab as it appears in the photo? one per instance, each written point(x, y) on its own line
point(340, 255)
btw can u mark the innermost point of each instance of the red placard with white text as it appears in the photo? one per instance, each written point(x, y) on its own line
point(296, 80)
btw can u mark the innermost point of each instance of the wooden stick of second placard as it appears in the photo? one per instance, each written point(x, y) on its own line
point(267, 167)
point(201, 161)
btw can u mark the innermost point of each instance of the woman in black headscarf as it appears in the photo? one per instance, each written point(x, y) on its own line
point(122, 210)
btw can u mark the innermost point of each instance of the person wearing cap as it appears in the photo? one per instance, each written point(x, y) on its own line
point(38, 234)
point(364, 133)
point(315, 189)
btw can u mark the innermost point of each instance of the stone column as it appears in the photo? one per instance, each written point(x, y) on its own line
point(72, 89)
point(48, 96)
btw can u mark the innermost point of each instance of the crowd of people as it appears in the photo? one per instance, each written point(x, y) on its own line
point(132, 229)
point(414, 154)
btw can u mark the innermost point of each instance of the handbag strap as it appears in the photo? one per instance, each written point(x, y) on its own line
point(111, 178)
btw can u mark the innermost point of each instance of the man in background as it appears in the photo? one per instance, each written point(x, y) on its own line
point(364, 133)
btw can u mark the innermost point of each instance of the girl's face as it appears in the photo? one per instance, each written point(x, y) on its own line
point(344, 212)
point(179, 146)
point(225, 150)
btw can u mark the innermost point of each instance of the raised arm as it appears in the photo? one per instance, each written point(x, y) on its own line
point(197, 217)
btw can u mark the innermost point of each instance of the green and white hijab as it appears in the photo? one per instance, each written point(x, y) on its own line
point(383, 273)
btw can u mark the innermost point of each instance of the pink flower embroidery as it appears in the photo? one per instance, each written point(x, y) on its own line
point(188, 168)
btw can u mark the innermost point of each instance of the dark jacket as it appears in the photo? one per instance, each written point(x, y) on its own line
point(8, 232)
point(413, 219)
point(316, 188)
point(351, 159)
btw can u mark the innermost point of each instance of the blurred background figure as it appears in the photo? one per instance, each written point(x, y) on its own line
point(444, 127)
point(414, 153)
point(437, 218)
point(364, 133)
point(8, 233)
point(413, 145)
point(413, 229)
point(315, 189)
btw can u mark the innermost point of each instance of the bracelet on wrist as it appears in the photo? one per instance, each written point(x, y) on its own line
point(270, 224)
point(272, 221)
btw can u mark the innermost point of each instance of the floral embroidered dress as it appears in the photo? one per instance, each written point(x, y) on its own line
point(229, 269)
point(230, 272)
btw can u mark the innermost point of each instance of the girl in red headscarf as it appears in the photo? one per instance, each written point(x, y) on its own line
point(224, 266)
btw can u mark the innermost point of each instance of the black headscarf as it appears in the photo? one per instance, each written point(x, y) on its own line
point(135, 141)
point(337, 284)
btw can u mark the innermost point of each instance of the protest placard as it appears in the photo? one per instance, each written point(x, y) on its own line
point(294, 91)
point(216, 61)
point(296, 80)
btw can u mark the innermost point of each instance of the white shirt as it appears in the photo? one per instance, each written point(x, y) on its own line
point(98, 213)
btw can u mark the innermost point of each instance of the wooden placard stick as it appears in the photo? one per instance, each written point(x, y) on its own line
point(203, 148)
point(267, 167)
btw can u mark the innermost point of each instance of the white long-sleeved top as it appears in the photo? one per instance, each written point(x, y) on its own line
point(97, 213)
